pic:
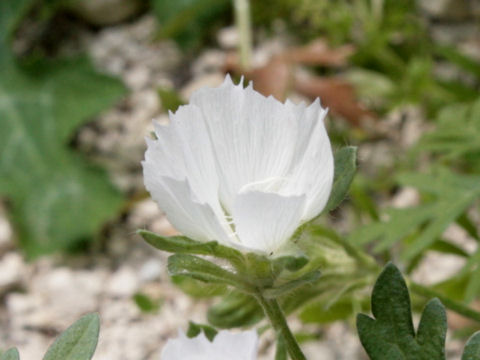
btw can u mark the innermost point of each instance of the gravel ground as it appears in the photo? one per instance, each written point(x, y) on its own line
point(42, 298)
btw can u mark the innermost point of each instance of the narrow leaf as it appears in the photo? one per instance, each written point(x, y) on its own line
point(201, 269)
point(185, 245)
point(78, 342)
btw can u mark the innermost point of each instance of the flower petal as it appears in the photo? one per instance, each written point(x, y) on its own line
point(183, 151)
point(226, 345)
point(253, 137)
point(264, 221)
point(195, 220)
point(313, 169)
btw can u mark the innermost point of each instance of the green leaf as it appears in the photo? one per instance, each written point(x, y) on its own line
point(450, 196)
point(317, 312)
point(198, 289)
point(456, 134)
point(184, 245)
point(345, 167)
point(146, 304)
point(195, 329)
point(472, 348)
point(289, 286)
point(78, 342)
point(58, 198)
point(235, 310)
point(391, 334)
point(204, 270)
point(10, 354)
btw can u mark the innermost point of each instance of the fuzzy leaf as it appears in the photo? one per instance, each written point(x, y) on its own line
point(201, 269)
point(391, 334)
point(184, 245)
point(345, 167)
point(472, 349)
point(58, 198)
point(235, 310)
point(78, 342)
point(10, 354)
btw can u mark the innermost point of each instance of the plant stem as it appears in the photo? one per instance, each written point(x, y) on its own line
point(277, 319)
point(456, 306)
point(242, 19)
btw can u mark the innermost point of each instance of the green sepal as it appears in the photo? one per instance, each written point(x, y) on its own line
point(10, 354)
point(391, 334)
point(235, 310)
point(472, 348)
point(345, 167)
point(78, 342)
point(185, 245)
point(289, 286)
point(195, 329)
point(204, 270)
point(291, 263)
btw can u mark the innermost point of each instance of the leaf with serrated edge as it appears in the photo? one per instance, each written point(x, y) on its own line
point(78, 342)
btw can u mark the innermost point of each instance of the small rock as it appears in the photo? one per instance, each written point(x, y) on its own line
point(209, 80)
point(228, 37)
point(151, 270)
point(124, 283)
point(12, 269)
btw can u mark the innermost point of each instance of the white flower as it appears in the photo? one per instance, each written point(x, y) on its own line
point(226, 345)
point(240, 168)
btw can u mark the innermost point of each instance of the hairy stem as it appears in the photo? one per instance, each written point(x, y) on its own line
point(277, 319)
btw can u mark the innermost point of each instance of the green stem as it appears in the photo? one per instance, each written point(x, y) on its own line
point(242, 18)
point(449, 303)
point(277, 319)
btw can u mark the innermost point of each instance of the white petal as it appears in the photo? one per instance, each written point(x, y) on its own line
point(180, 174)
point(226, 345)
point(313, 171)
point(183, 151)
point(265, 221)
point(195, 220)
point(253, 137)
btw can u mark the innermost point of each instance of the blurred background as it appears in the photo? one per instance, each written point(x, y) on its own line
point(81, 81)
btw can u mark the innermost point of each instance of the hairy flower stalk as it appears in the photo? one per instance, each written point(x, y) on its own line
point(245, 171)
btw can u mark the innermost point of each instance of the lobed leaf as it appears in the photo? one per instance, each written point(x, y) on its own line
point(58, 198)
point(391, 335)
